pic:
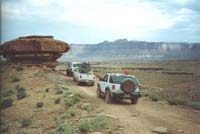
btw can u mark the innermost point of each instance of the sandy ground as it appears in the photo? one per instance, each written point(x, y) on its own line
point(133, 119)
point(146, 115)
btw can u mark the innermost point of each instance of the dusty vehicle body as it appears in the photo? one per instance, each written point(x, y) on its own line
point(119, 86)
point(71, 67)
point(84, 74)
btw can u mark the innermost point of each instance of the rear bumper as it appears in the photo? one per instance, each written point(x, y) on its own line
point(86, 81)
point(126, 96)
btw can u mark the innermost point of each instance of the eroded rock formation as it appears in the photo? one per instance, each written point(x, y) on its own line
point(35, 50)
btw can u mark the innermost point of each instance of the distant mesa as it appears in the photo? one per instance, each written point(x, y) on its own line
point(35, 50)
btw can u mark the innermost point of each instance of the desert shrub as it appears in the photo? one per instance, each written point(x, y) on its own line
point(85, 126)
point(21, 93)
point(63, 128)
point(194, 105)
point(176, 100)
point(47, 90)
point(93, 123)
point(58, 90)
point(39, 104)
point(154, 96)
point(14, 78)
point(57, 101)
point(65, 88)
point(64, 115)
point(87, 107)
point(19, 68)
point(71, 101)
point(187, 97)
point(26, 122)
point(4, 126)
point(6, 93)
point(78, 95)
point(6, 103)
point(71, 112)
point(22, 132)
point(68, 93)
point(99, 122)
point(17, 87)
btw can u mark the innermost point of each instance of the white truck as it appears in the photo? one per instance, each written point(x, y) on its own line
point(119, 86)
point(84, 74)
point(71, 67)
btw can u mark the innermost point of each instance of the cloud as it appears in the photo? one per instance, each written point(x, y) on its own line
point(128, 17)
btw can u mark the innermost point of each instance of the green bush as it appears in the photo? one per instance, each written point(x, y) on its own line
point(17, 87)
point(26, 122)
point(6, 103)
point(77, 95)
point(65, 88)
point(18, 68)
point(176, 100)
point(71, 101)
point(85, 126)
point(154, 96)
point(39, 104)
point(62, 129)
point(194, 105)
point(6, 93)
point(22, 132)
point(4, 128)
point(68, 93)
point(99, 122)
point(71, 111)
point(21, 93)
point(94, 123)
point(87, 107)
point(57, 101)
point(14, 78)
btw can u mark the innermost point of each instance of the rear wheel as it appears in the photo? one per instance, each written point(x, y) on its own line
point(108, 97)
point(134, 100)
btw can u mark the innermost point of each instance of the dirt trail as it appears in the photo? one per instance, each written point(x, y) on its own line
point(146, 115)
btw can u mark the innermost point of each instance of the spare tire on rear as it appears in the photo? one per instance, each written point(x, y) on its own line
point(128, 85)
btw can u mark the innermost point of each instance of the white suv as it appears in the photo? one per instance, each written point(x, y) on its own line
point(119, 86)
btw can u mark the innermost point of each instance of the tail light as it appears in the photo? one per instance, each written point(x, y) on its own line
point(113, 87)
point(80, 76)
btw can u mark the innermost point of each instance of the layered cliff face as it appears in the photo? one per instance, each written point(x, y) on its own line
point(35, 50)
point(134, 50)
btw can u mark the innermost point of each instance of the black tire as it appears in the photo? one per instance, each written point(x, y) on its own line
point(98, 92)
point(134, 100)
point(108, 97)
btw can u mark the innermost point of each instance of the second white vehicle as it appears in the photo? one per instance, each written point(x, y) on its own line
point(84, 74)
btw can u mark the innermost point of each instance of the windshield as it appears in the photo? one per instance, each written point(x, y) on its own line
point(119, 78)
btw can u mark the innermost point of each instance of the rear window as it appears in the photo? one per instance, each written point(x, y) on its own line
point(119, 78)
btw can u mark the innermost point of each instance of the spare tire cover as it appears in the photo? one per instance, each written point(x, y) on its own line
point(128, 86)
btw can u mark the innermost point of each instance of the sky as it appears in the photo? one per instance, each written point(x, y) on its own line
point(93, 21)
